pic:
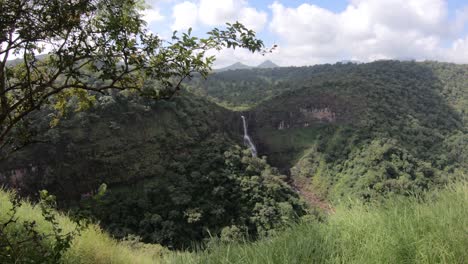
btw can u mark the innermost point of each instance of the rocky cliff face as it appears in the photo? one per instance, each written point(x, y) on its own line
point(307, 117)
point(286, 125)
point(307, 111)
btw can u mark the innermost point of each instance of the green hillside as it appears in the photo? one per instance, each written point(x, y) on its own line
point(122, 139)
point(177, 176)
point(174, 171)
point(245, 88)
point(364, 129)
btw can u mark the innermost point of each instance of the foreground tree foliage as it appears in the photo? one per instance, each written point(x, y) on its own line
point(93, 46)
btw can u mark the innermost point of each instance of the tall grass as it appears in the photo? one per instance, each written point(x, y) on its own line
point(430, 229)
point(91, 246)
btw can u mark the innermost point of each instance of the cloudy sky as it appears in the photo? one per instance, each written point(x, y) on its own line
point(326, 31)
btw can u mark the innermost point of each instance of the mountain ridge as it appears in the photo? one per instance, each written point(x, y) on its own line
point(267, 64)
point(324, 124)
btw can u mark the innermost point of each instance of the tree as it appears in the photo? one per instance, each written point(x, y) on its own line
point(95, 46)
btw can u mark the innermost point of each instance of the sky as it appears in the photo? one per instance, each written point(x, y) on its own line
point(310, 32)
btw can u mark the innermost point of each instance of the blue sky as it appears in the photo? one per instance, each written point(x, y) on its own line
point(325, 31)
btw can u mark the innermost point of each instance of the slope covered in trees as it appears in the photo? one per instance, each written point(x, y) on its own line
point(247, 87)
point(176, 174)
point(174, 170)
point(364, 129)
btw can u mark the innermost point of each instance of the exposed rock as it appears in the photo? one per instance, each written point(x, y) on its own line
point(321, 114)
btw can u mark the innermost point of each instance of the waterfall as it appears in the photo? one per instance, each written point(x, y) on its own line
point(247, 139)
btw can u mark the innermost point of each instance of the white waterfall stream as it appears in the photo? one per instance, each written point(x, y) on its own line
point(247, 139)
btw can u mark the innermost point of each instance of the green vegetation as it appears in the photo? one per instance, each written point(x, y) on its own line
point(145, 157)
point(242, 89)
point(92, 245)
point(422, 229)
point(220, 195)
point(425, 229)
point(380, 133)
point(286, 147)
point(362, 129)
point(175, 173)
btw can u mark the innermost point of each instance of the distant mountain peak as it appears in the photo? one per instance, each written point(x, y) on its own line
point(240, 66)
point(268, 64)
point(235, 66)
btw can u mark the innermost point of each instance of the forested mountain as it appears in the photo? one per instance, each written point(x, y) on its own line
point(240, 66)
point(248, 87)
point(267, 64)
point(235, 66)
point(176, 173)
point(368, 129)
point(174, 170)
point(120, 143)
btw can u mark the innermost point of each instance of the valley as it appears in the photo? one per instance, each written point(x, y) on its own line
point(221, 131)
point(178, 171)
point(324, 118)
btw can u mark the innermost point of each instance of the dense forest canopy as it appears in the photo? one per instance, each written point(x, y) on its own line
point(174, 170)
point(370, 129)
point(176, 173)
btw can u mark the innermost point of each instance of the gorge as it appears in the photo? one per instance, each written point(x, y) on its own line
point(175, 169)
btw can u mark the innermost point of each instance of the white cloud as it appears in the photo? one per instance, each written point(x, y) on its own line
point(458, 53)
point(152, 14)
point(252, 18)
point(305, 22)
point(217, 12)
point(156, 2)
point(185, 16)
point(367, 30)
